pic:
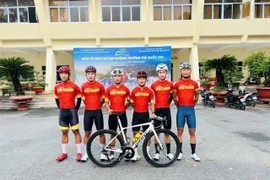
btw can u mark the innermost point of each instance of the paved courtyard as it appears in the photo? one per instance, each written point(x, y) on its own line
point(232, 144)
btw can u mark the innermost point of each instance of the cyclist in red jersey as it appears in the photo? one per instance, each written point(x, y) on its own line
point(139, 99)
point(117, 100)
point(93, 95)
point(185, 96)
point(65, 94)
point(163, 96)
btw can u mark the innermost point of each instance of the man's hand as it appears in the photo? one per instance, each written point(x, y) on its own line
point(195, 102)
point(110, 111)
point(153, 115)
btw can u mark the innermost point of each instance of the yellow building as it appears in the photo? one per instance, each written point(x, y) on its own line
point(46, 31)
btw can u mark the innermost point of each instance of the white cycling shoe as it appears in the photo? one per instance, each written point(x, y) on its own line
point(136, 158)
point(180, 157)
point(103, 157)
point(195, 157)
point(170, 156)
point(156, 157)
point(84, 158)
point(111, 156)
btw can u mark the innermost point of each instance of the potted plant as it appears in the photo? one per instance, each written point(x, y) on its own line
point(39, 83)
point(205, 83)
point(258, 65)
point(221, 66)
point(233, 78)
point(13, 68)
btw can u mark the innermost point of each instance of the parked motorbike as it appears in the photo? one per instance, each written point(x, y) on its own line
point(250, 98)
point(235, 101)
point(256, 81)
point(207, 98)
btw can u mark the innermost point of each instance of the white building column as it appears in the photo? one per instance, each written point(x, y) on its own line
point(252, 8)
point(50, 77)
point(194, 60)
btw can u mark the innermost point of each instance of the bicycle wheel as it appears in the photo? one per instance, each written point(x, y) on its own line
point(98, 149)
point(167, 155)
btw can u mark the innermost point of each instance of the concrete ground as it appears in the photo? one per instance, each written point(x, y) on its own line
point(232, 144)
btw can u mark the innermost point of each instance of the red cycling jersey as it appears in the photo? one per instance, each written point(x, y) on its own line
point(141, 98)
point(92, 93)
point(66, 92)
point(162, 90)
point(186, 91)
point(117, 97)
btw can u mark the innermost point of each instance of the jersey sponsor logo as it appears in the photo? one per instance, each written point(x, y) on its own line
point(114, 92)
point(88, 90)
point(166, 88)
point(65, 89)
point(142, 94)
point(186, 87)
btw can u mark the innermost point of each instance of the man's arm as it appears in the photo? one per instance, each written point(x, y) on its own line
point(57, 102)
point(196, 97)
point(107, 105)
point(171, 98)
point(127, 104)
point(78, 104)
point(175, 98)
point(102, 101)
point(152, 108)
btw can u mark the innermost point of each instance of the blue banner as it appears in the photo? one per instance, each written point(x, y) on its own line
point(130, 60)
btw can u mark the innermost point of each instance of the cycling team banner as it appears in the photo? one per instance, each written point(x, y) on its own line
point(130, 60)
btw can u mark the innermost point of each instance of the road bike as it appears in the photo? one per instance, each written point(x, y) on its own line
point(118, 145)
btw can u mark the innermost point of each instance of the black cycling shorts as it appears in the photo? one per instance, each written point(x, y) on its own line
point(68, 117)
point(93, 115)
point(165, 112)
point(139, 118)
point(113, 121)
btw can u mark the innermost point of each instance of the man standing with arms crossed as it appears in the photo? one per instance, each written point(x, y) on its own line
point(185, 96)
point(117, 101)
point(65, 94)
point(93, 95)
point(140, 97)
point(163, 96)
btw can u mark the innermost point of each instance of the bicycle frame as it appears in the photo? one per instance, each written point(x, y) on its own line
point(148, 130)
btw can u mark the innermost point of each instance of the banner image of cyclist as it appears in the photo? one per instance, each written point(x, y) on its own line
point(185, 96)
point(93, 95)
point(140, 97)
point(65, 94)
point(117, 101)
point(163, 96)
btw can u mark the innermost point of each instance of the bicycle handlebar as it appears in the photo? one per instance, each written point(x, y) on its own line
point(117, 113)
point(161, 119)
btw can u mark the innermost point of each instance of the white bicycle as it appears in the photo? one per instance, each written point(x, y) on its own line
point(100, 151)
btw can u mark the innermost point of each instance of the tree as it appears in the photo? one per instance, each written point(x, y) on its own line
point(258, 65)
point(13, 68)
point(221, 65)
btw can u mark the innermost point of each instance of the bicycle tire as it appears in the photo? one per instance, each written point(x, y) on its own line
point(151, 160)
point(96, 161)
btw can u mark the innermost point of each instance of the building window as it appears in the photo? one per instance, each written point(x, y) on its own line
point(58, 79)
point(223, 9)
point(69, 10)
point(262, 9)
point(201, 73)
point(121, 10)
point(240, 66)
point(172, 10)
point(17, 11)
